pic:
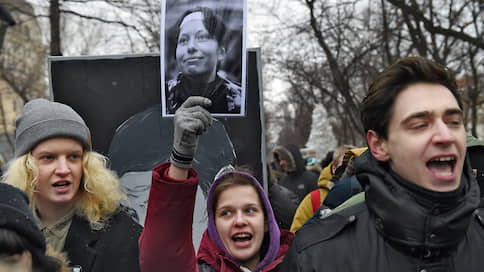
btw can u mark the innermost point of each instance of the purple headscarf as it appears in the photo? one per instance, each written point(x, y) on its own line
point(274, 233)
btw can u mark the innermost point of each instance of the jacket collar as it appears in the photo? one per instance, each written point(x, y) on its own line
point(219, 260)
point(403, 214)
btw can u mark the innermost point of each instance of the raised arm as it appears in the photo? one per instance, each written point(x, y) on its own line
point(166, 241)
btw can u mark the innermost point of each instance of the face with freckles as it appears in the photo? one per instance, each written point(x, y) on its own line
point(426, 142)
point(59, 164)
point(239, 219)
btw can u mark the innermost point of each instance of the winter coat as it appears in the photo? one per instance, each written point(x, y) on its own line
point(169, 246)
point(342, 191)
point(399, 227)
point(284, 203)
point(212, 258)
point(224, 94)
point(305, 210)
point(298, 179)
point(113, 248)
point(330, 186)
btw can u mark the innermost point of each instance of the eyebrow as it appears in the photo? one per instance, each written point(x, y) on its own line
point(231, 207)
point(426, 114)
point(453, 111)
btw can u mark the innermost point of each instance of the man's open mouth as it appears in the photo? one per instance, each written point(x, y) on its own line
point(442, 166)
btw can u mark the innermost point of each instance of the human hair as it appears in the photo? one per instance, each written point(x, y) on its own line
point(212, 22)
point(377, 107)
point(100, 191)
point(339, 152)
point(11, 243)
point(240, 177)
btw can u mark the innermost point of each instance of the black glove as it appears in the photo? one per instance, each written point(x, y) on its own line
point(191, 120)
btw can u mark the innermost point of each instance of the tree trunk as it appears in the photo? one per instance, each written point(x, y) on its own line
point(3, 30)
point(54, 18)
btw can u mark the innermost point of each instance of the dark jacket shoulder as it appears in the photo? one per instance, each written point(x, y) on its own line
point(319, 230)
point(111, 248)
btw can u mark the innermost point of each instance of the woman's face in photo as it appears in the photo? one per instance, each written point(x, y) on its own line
point(197, 51)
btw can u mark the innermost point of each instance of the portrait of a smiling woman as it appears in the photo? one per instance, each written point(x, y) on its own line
point(205, 60)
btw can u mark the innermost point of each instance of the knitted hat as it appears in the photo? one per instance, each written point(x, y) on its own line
point(15, 215)
point(42, 119)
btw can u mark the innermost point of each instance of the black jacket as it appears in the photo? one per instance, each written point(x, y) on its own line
point(399, 227)
point(286, 195)
point(113, 248)
point(224, 94)
point(298, 179)
point(284, 204)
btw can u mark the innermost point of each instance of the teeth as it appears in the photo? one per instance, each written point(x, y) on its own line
point(444, 159)
point(242, 236)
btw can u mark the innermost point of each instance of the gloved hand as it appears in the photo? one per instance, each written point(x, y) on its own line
point(191, 120)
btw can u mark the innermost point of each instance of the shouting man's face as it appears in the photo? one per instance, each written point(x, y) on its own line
point(426, 141)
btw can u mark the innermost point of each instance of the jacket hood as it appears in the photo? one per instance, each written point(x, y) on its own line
point(292, 155)
point(274, 233)
point(429, 222)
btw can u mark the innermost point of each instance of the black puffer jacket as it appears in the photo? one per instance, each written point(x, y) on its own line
point(399, 227)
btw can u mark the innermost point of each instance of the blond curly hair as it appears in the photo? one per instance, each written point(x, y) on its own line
point(100, 193)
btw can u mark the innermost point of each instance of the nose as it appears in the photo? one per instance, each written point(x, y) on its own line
point(191, 45)
point(443, 133)
point(240, 219)
point(62, 167)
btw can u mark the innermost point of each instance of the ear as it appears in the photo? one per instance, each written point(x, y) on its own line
point(220, 54)
point(378, 146)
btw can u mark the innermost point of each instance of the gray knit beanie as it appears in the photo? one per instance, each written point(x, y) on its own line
point(41, 119)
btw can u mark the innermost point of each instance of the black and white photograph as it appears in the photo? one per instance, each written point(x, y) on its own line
point(203, 54)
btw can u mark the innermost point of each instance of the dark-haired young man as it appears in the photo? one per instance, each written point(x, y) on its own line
point(421, 208)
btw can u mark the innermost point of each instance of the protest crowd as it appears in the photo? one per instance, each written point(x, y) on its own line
point(408, 201)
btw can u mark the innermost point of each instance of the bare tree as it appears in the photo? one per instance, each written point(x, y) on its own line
point(22, 66)
point(347, 43)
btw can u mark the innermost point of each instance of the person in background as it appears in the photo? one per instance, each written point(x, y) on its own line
point(475, 151)
point(75, 199)
point(242, 234)
point(312, 164)
point(421, 209)
point(22, 244)
point(200, 50)
point(326, 181)
point(297, 180)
